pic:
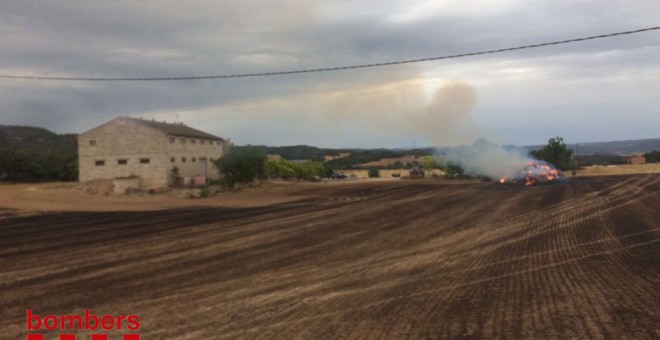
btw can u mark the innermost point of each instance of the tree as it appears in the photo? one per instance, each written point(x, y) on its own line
point(58, 164)
point(241, 166)
point(556, 153)
point(18, 166)
point(652, 157)
point(286, 170)
point(373, 173)
point(313, 169)
point(453, 171)
point(429, 163)
point(279, 169)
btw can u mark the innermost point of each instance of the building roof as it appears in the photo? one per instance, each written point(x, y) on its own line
point(175, 129)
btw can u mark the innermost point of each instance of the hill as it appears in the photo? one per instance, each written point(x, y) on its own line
point(34, 139)
point(31, 154)
point(624, 147)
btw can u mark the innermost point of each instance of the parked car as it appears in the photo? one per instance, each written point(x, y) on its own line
point(338, 175)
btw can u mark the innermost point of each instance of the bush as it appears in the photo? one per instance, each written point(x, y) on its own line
point(204, 191)
point(373, 172)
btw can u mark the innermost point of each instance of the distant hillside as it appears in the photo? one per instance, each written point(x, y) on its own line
point(30, 154)
point(625, 147)
point(34, 139)
point(299, 152)
point(305, 152)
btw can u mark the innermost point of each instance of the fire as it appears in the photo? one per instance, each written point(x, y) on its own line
point(537, 172)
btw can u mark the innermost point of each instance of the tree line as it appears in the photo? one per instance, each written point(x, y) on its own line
point(31, 154)
point(245, 165)
point(30, 166)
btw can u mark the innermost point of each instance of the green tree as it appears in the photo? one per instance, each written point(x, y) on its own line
point(279, 169)
point(373, 172)
point(58, 165)
point(241, 166)
point(557, 153)
point(286, 170)
point(19, 166)
point(429, 163)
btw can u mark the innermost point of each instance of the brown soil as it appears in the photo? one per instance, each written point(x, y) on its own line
point(626, 169)
point(390, 259)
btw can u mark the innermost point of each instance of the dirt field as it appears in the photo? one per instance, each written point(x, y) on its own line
point(384, 259)
point(626, 169)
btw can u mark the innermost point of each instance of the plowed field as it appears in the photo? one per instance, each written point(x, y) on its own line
point(398, 259)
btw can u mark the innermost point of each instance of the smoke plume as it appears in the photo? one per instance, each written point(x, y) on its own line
point(446, 120)
point(448, 123)
point(484, 158)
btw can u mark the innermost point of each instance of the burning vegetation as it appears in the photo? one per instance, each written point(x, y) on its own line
point(534, 173)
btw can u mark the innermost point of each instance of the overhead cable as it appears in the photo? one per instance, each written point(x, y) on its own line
point(328, 69)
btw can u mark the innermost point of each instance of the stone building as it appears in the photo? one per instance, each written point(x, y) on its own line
point(636, 159)
point(149, 150)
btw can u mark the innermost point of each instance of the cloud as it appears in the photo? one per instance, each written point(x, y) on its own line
point(172, 38)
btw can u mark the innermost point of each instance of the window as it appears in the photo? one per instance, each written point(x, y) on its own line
point(183, 141)
point(194, 159)
point(183, 159)
point(171, 140)
point(122, 161)
point(144, 160)
point(172, 159)
point(92, 142)
point(193, 141)
point(201, 141)
point(100, 163)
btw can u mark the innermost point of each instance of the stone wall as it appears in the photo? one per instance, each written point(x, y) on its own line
point(194, 156)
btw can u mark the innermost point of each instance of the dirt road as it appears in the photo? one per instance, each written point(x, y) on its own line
point(399, 259)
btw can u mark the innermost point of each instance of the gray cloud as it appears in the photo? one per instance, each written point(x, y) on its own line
point(517, 91)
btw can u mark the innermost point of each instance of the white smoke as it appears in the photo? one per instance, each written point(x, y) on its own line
point(484, 158)
point(448, 123)
point(446, 120)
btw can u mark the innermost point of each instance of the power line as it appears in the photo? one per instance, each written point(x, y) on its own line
point(331, 68)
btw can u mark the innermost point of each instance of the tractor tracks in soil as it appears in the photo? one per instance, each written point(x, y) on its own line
point(400, 259)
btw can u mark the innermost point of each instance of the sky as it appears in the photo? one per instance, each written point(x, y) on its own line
point(597, 90)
